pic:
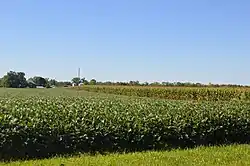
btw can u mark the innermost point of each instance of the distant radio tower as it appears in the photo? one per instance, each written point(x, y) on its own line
point(79, 73)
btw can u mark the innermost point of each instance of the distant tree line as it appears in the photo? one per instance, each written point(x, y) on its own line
point(83, 81)
point(167, 84)
point(17, 80)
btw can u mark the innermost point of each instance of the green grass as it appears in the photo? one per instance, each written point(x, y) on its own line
point(236, 155)
point(53, 92)
point(10, 92)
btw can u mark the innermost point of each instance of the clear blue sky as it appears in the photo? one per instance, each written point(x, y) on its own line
point(146, 40)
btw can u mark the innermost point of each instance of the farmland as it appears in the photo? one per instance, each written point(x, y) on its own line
point(175, 93)
point(38, 123)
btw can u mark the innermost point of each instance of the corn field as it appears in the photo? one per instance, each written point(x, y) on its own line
point(43, 126)
point(173, 93)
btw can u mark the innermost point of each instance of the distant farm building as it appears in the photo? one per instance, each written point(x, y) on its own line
point(74, 84)
point(40, 87)
point(32, 84)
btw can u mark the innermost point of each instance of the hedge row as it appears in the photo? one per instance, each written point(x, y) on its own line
point(45, 126)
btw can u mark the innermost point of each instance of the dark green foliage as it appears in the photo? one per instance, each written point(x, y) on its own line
point(84, 81)
point(45, 126)
point(92, 82)
point(31, 84)
point(14, 80)
point(39, 81)
point(63, 84)
point(170, 84)
point(207, 94)
point(76, 80)
point(52, 82)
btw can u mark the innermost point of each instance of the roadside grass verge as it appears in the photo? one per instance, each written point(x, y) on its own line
point(234, 155)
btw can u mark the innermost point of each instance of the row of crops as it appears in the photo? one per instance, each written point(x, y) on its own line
point(45, 126)
point(208, 94)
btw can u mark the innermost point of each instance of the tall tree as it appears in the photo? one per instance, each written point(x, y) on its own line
point(76, 80)
point(84, 81)
point(39, 81)
point(14, 80)
point(22, 80)
point(92, 82)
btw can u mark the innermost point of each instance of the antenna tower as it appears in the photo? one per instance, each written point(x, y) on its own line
point(79, 73)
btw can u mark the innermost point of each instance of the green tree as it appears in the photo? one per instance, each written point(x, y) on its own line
point(22, 80)
point(155, 84)
point(14, 80)
point(63, 84)
point(52, 82)
point(85, 82)
point(92, 82)
point(6, 82)
point(76, 80)
point(39, 81)
point(134, 83)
